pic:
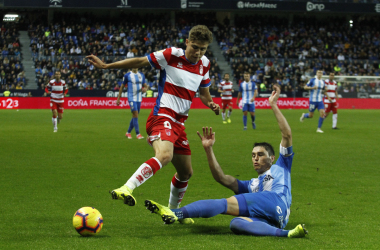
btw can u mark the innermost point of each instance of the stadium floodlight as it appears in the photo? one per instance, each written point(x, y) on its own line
point(10, 17)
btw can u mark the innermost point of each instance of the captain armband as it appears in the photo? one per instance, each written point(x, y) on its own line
point(286, 151)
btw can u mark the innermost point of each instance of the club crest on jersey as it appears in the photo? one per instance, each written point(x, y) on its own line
point(168, 132)
point(201, 69)
point(185, 143)
point(180, 65)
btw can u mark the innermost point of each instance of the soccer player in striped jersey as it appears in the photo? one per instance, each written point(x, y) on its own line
point(248, 93)
point(182, 72)
point(56, 88)
point(226, 90)
point(262, 204)
point(332, 92)
point(135, 83)
point(317, 90)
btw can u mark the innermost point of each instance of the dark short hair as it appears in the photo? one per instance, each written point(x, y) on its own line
point(246, 72)
point(226, 74)
point(200, 33)
point(265, 145)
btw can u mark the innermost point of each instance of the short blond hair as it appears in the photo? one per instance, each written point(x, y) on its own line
point(200, 33)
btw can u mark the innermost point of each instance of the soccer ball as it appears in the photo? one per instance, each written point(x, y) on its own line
point(87, 221)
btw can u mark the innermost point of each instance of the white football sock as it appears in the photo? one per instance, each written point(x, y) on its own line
point(143, 173)
point(177, 191)
point(224, 115)
point(335, 120)
point(229, 113)
point(54, 120)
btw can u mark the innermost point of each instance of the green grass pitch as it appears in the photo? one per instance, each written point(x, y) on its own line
point(45, 177)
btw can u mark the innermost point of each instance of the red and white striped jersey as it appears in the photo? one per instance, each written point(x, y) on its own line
point(331, 88)
point(227, 87)
point(178, 83)
point(57, 89)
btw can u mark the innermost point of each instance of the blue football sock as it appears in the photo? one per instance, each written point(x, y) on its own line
point(256, 228)
point(306, 115)
point(253, 117)
point(245, 120)
point(130, 126)
point(203, 208)
point(320, 122)
point(136, 125)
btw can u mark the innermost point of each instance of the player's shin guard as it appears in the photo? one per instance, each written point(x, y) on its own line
point(54, 120)
point(245, 120)
point(223, 115)
point(229, 113)
point(320, 122)
point(334, 120)
point(203, 208)
point(256, 228)
point(253, 117)
point(144, 172)
point(177, 191)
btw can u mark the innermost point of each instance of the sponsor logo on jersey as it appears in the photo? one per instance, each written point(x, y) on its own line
point(201, 69)
point(180, 65)
point(278, 209)
point(185, 142)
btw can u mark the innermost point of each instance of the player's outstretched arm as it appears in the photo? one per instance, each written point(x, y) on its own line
point(120, 91)
point(206, 99)
point(281, 120)
point(136, 62)
point(208, 140)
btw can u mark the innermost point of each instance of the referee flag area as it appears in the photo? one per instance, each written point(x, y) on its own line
point(148, 103)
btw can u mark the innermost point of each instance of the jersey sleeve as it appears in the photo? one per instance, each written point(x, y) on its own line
point(285, 162)
point(160, 59)
point(48, 88)
point(243, 186)
point(311, 83)
point(206, 82)
point(240, 88)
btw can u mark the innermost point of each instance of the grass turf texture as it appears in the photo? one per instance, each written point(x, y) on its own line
point(45, 177)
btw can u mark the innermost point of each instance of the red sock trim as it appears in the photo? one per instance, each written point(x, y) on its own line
point(54, 117)
point(179, 184)
point(153, 164)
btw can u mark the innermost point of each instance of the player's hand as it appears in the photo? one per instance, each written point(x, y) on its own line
point(117, 102)
point(214, 107)
point(96, 62)
point(252, 100)
point(208, 138)
point(275, 95)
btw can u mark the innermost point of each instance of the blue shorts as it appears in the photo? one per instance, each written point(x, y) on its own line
point(249, 107)
point(265, 206)
point(316, 105)
point(135, 106)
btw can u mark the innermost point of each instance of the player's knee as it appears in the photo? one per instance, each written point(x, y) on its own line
point(165, 157)
point(186, 176)
point(235, 225)
point(311, 115)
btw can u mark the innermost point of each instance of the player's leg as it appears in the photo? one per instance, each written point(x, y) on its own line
point(334, 116)
point(321, 109)
point(312, 108)
point(229, 112)
point(60, 112)
point(55, 115)
point(135, 115)
point(163, 155)
point(258, 227)
point(245, 112)
point(202, 208)
point(132, 122)
point(224, 106)
point(253, 117)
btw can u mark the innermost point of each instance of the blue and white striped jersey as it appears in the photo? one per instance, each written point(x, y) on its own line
point(134, 83)
point(316, 95)
point(276, 179)
point(247, 90)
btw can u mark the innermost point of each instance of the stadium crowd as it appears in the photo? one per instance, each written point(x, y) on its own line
point(273, 49)
point(11, 70)
point(63, 46)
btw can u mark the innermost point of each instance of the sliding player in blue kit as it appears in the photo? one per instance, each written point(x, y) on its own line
point(262, 204)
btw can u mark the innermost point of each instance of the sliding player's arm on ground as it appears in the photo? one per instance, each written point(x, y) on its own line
point(286, 132)
point(136, 62)
point(208, 140)
point(204, 95)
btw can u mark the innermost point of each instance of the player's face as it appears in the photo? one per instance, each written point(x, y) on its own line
point(331, 76)
point(195, 50)
point(247, 77)
point(57, 75)
point(261, 159)
point(319, 74)
point(227, 77)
